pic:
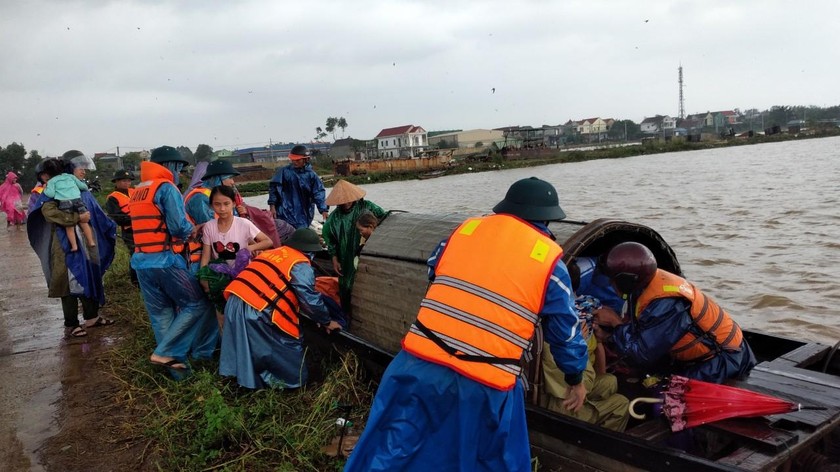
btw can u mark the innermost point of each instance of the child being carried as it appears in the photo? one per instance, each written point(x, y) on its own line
point(67, 190)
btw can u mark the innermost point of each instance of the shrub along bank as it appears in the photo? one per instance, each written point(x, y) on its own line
point(497, 162)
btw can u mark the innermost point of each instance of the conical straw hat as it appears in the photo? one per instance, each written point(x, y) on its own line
point(344, 192)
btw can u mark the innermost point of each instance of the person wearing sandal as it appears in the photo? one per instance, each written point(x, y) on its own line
point(175, 302)
point(73, 276)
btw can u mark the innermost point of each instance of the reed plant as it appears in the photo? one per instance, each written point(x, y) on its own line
point(206, 422)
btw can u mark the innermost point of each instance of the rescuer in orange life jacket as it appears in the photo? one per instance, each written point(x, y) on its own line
point(452, 398)
point(177, 306)
point(669, 325)
point(116, 206)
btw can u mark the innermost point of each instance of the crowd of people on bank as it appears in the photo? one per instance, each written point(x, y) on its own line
point(212, 271)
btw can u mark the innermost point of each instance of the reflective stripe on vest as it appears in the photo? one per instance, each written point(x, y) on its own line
point(480, 312)
point(715, 324)
point(196, 247)
point(123, 201)
point(265, 282)
point(147, 221)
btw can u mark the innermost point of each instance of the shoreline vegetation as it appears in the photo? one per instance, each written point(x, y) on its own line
point(208, 422)
point(497, 162)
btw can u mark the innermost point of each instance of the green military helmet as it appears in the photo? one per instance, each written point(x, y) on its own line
point(122, 174)
point(531, 199)
point(304, 240)
point(167, 154)
point(219, 167)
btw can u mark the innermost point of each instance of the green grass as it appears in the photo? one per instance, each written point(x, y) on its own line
point(207, 422)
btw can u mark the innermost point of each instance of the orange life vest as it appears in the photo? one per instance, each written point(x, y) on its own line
point(266, 282)
point(709, 317)
point(39, 188)
point(195, 247)
point(123, 201)
point(147, 221)
point(479, 314)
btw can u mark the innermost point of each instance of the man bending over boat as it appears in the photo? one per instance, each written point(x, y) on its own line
point(452, 398)
point(669, 325)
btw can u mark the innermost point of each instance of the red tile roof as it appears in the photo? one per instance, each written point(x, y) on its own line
point(398, 131)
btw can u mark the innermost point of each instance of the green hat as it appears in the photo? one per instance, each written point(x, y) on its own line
point(219, 167)
point(167, 154)
point(531, 199)
point(122, 174)
point(304, 240)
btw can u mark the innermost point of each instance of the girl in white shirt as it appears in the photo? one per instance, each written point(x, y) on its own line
point(223, 238)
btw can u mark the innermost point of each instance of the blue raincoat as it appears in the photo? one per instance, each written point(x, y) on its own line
point(177, 306)
point(428, 417)
point(293, 192)
point(85, 268)
point(646, 342)
point(256, 351)
point(594, 283)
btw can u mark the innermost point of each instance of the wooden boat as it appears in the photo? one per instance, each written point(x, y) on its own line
point(391, 280)
point(432, 175)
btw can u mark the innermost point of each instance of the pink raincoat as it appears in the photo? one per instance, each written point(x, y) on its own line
point(10, 200)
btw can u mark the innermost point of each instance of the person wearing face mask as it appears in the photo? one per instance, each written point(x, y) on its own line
point(341, 235)
point(174, 300)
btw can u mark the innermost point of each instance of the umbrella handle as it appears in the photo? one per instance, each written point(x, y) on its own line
point(641, 400)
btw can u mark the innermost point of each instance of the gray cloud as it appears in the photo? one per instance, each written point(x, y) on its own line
point(143, 73)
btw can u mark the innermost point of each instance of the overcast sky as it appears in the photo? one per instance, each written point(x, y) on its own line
point(96, 74)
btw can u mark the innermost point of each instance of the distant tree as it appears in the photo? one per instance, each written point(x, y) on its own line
point(203, 153)
point(332, 122)
point(479, 144)
point(342, 123)
point(319, 134)
point(616, 132)
point(186, 153)
point(12, 157)
point(131, 160)
point(442, 144)
point(27, 173)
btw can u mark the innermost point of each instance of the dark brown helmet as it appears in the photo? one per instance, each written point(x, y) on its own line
point(631, 266)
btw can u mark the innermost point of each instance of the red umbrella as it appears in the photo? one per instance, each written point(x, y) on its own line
point(689, 403)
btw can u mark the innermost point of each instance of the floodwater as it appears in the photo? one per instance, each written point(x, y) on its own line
point(754, 226)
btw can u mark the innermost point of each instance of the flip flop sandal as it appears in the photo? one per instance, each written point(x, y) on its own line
point(77, 332)
point(171, 364)
point(101, 322)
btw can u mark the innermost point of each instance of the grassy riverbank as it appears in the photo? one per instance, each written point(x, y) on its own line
point(561, 156)
point(207, 422)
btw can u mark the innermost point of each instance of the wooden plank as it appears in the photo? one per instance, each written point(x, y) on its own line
point(757, 432)
point(750, 459)
point(653, 431)
point(810, 376)
point(805, 355)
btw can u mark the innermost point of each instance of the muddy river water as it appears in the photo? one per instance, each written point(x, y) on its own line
point(758, 227)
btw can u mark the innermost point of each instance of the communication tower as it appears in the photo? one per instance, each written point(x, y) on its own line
point(682, 100)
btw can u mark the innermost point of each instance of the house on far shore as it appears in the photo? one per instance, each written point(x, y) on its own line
point(352, 149)
point(659, 124)
point(401, 141)
point(468, 139)
point(107, 162)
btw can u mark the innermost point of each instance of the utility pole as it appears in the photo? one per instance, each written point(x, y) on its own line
point(682, 99)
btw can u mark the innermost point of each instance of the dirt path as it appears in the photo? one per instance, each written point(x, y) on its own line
point(59, 410)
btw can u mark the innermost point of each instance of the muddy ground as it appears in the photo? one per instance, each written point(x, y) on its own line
point(60, 404)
